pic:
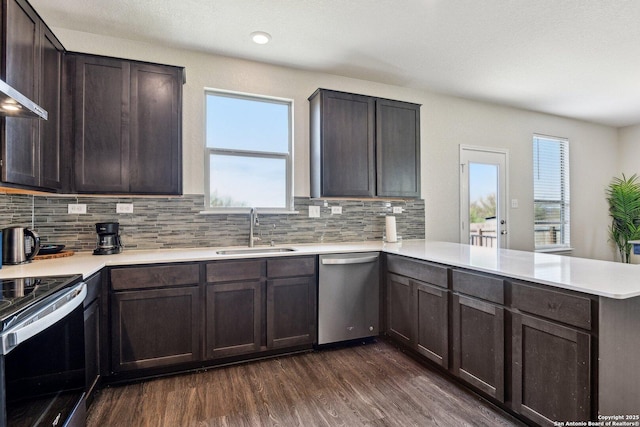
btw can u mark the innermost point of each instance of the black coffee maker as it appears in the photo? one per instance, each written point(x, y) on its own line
point(108, 238)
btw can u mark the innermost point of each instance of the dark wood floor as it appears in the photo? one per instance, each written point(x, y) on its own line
point(365, 385)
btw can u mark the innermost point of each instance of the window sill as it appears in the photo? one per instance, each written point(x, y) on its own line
point(556, 250)
point(246, 211)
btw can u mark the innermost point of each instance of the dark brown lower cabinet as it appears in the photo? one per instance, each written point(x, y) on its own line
point(92, 345)
point(478, 344)
point(291, 311)
point(93, 336)
point(233, 318)
point(551, 371)
point(155, 328)
point(418, 317)
point(400, 304)
point(528, 346)
point(432, 330)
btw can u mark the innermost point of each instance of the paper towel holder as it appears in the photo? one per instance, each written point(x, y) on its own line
point(390, 229)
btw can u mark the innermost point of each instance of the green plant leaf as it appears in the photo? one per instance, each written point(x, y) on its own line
point(623, 196)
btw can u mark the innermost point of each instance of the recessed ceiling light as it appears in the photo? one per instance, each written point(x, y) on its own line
point(260, 37)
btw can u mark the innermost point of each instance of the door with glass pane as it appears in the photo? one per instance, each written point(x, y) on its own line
point(483, 201)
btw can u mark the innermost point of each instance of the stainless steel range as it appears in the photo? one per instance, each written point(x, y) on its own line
point(42, 351)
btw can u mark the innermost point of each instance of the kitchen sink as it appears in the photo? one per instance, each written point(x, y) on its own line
point(254, 251)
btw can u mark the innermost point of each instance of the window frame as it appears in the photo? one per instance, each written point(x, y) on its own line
point(287, 157)
point(565, 196)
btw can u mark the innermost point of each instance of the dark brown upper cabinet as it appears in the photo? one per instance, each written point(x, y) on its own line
point(32, 60)
point(127, 125)
point(397, 149)
point(363, 146)
point(156, 129)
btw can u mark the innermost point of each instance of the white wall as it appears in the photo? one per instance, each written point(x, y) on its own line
point(446, 122)
point(629, 150)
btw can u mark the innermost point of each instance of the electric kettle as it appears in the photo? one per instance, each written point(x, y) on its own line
point(19, 245)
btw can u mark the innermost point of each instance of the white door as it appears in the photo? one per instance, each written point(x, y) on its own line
point(483, 197)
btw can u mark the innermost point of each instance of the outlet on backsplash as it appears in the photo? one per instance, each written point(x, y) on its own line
point(124, 207)
point(77, 208)
point(314, 211)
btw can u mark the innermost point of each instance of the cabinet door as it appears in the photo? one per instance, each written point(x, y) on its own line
point(156, 134)
point(50, 140)
point(400, 317)
point(101, 120)
point(397, 149)
point(346, 160)
point(478, 344)
point(92, 347)
point(21, 149)
point(154, 328)
point(291, 312)
point(432, 328)
point(551, 371)
point(233, 318)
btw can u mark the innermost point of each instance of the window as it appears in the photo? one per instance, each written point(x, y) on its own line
point(551, 192)
point(248, 151)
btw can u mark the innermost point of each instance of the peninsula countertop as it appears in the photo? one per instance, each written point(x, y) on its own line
point(595, 277)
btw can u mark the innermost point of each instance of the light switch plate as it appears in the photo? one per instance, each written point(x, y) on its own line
point(314, 211)
point(78, 208)
point(397, 209)
point(514, 203)
point(124, 207)
point(336, 210)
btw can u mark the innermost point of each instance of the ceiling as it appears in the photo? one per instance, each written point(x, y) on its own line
point(574, 58)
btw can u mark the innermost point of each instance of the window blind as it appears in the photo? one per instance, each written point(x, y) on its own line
point(551, 192)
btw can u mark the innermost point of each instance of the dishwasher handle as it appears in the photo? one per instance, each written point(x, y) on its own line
point(345, 261)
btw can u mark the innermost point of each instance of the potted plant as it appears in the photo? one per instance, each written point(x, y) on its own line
point(623, 195)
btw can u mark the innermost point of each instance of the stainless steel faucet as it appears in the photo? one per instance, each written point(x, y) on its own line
point(253, 221)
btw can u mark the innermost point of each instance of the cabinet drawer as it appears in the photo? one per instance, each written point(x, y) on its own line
point(291, 266)
point(227, 271)
point(570, 309)
point(154, 277)
point(478, 285)
point(422, 271)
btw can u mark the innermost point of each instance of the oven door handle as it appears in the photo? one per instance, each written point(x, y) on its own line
point(47, 316)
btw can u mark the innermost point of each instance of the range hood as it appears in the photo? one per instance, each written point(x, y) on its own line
point(15, 104)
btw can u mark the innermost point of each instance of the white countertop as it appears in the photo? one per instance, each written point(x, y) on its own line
point(595, 277)
point(86, 263)
point(602, 278)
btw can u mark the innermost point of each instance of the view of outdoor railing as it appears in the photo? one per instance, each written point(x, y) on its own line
point(544, 236)
point(480, 240)
point(483, 237)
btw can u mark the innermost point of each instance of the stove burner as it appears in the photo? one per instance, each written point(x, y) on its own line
point(14, 288)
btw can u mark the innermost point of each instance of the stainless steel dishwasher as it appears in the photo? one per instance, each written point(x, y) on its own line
point(348, 296)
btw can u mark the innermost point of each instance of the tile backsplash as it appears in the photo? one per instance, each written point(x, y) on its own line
point(176, 222)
